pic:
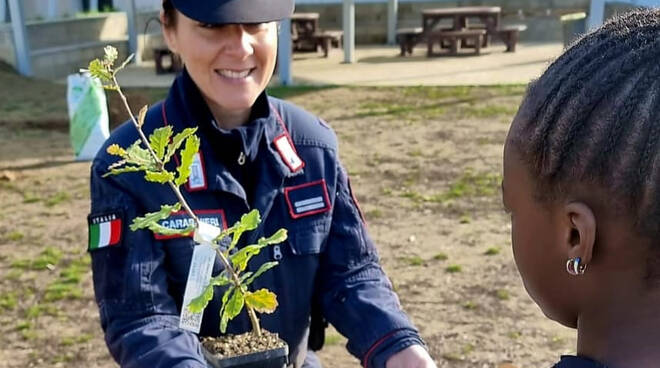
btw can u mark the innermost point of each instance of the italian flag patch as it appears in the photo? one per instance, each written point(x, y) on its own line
point(104, 230)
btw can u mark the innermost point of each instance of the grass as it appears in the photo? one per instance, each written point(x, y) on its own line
point(8, 300)
point(470, 305)
point(285, 92)
point(48, 258)
point(333, 339)
point(502, 294)
point(58, 198)
point(440, 257)
point(414, 261)
point(492, 251)
point(453, 269)
point(374, 214)
point(67, 285)
point(15, 236)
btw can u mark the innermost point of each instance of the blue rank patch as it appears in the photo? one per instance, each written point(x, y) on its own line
point(180, 220)
point(307, 199)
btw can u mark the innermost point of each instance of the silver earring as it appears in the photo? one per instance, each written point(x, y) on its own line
point(575, 267)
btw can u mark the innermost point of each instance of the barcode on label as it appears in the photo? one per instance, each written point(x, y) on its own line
point(199, 275)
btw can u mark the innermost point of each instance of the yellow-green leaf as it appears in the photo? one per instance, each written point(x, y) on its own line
point(198, 304)
point(98, 70)
point(262, 300)
point(263, 268)
point(125, 169)
point(159, 176)
point(142, 115)
point(224, 317)
point(251, 220)
point(235, 304)
point(276, 238)
point(159, 138)
point(115, 150)
point(241, 258)
point(162, 230)
point(187, 156)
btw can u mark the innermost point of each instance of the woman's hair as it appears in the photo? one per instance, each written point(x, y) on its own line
point(594, 118)
point(169, 13)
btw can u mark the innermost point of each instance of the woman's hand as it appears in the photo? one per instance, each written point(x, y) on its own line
point(413, 356)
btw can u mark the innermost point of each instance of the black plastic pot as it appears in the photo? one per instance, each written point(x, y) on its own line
point(274, 358)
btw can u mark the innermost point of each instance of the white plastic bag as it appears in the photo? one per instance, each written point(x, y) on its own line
point(88, 115)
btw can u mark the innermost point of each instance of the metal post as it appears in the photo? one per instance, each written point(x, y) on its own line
point(349, 31)
point(21, 44)
point(392, 14)
point(284, 53)
point(52, 9)
point(132, 31)
point(596, 14)
point(3, 11)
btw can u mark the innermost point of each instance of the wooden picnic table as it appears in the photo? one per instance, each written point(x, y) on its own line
point(488, 17)
point(306, 34)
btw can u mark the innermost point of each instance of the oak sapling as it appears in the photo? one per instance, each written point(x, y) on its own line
point(150, 156)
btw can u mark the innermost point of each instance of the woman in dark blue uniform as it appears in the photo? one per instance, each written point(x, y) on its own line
point(582, 184)
point(260, 153)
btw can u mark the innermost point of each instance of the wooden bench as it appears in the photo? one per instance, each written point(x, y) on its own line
point(407, 38)
point(166, 61)
point(328, 39)
point(455, 38)
point(510, 35)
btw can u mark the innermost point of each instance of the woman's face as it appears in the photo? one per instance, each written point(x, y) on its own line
point(230, 64)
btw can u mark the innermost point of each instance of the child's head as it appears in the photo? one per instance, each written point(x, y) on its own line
point(582, 171)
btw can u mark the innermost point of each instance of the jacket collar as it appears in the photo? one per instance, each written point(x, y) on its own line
point(185, 107)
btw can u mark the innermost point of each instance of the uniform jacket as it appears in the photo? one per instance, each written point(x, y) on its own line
point(298, 184)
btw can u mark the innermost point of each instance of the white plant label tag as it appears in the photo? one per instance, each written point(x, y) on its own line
point(199, 275)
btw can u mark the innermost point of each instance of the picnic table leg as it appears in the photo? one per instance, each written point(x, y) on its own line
point(454, 45)
point(477, 49)
point(429, 47)
point(325, 45)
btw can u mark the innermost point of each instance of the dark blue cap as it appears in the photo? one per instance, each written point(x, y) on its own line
point(235, 11)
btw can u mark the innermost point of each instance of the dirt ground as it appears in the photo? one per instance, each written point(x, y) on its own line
point(426, 166)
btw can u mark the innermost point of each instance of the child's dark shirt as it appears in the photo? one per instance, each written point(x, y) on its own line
point(569, 361)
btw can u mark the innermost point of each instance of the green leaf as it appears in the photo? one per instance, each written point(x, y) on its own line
point(198, 304)
point(187, 155)
point(241, 258)
point(263, 301)
point(221, 280)
point(162, 230)
point(111, 55)
point(98, 70)
point(235, 304)
point(224, 318)
point(178, 139)
point(251, 220)
point(125, 169)
point(276, 238)
point(154, 217)
point(139, 156)
point(159, 139)
point(159, 176)
point(263, 268)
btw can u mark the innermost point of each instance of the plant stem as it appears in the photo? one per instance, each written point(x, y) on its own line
point(161, 166)
point(237, 283)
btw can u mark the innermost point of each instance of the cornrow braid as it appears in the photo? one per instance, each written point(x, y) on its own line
point(594, 117)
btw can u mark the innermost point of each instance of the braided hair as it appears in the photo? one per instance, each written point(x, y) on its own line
point(594, 118)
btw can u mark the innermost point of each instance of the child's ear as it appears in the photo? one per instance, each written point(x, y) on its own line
point(580, 231)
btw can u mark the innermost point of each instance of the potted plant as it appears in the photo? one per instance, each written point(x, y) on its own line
point(255, 349)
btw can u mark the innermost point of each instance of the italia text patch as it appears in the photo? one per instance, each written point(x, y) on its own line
point(180, 220)
point(307, 199)
point(105, 230)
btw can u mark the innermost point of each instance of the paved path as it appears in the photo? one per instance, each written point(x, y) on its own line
point(381, 66)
